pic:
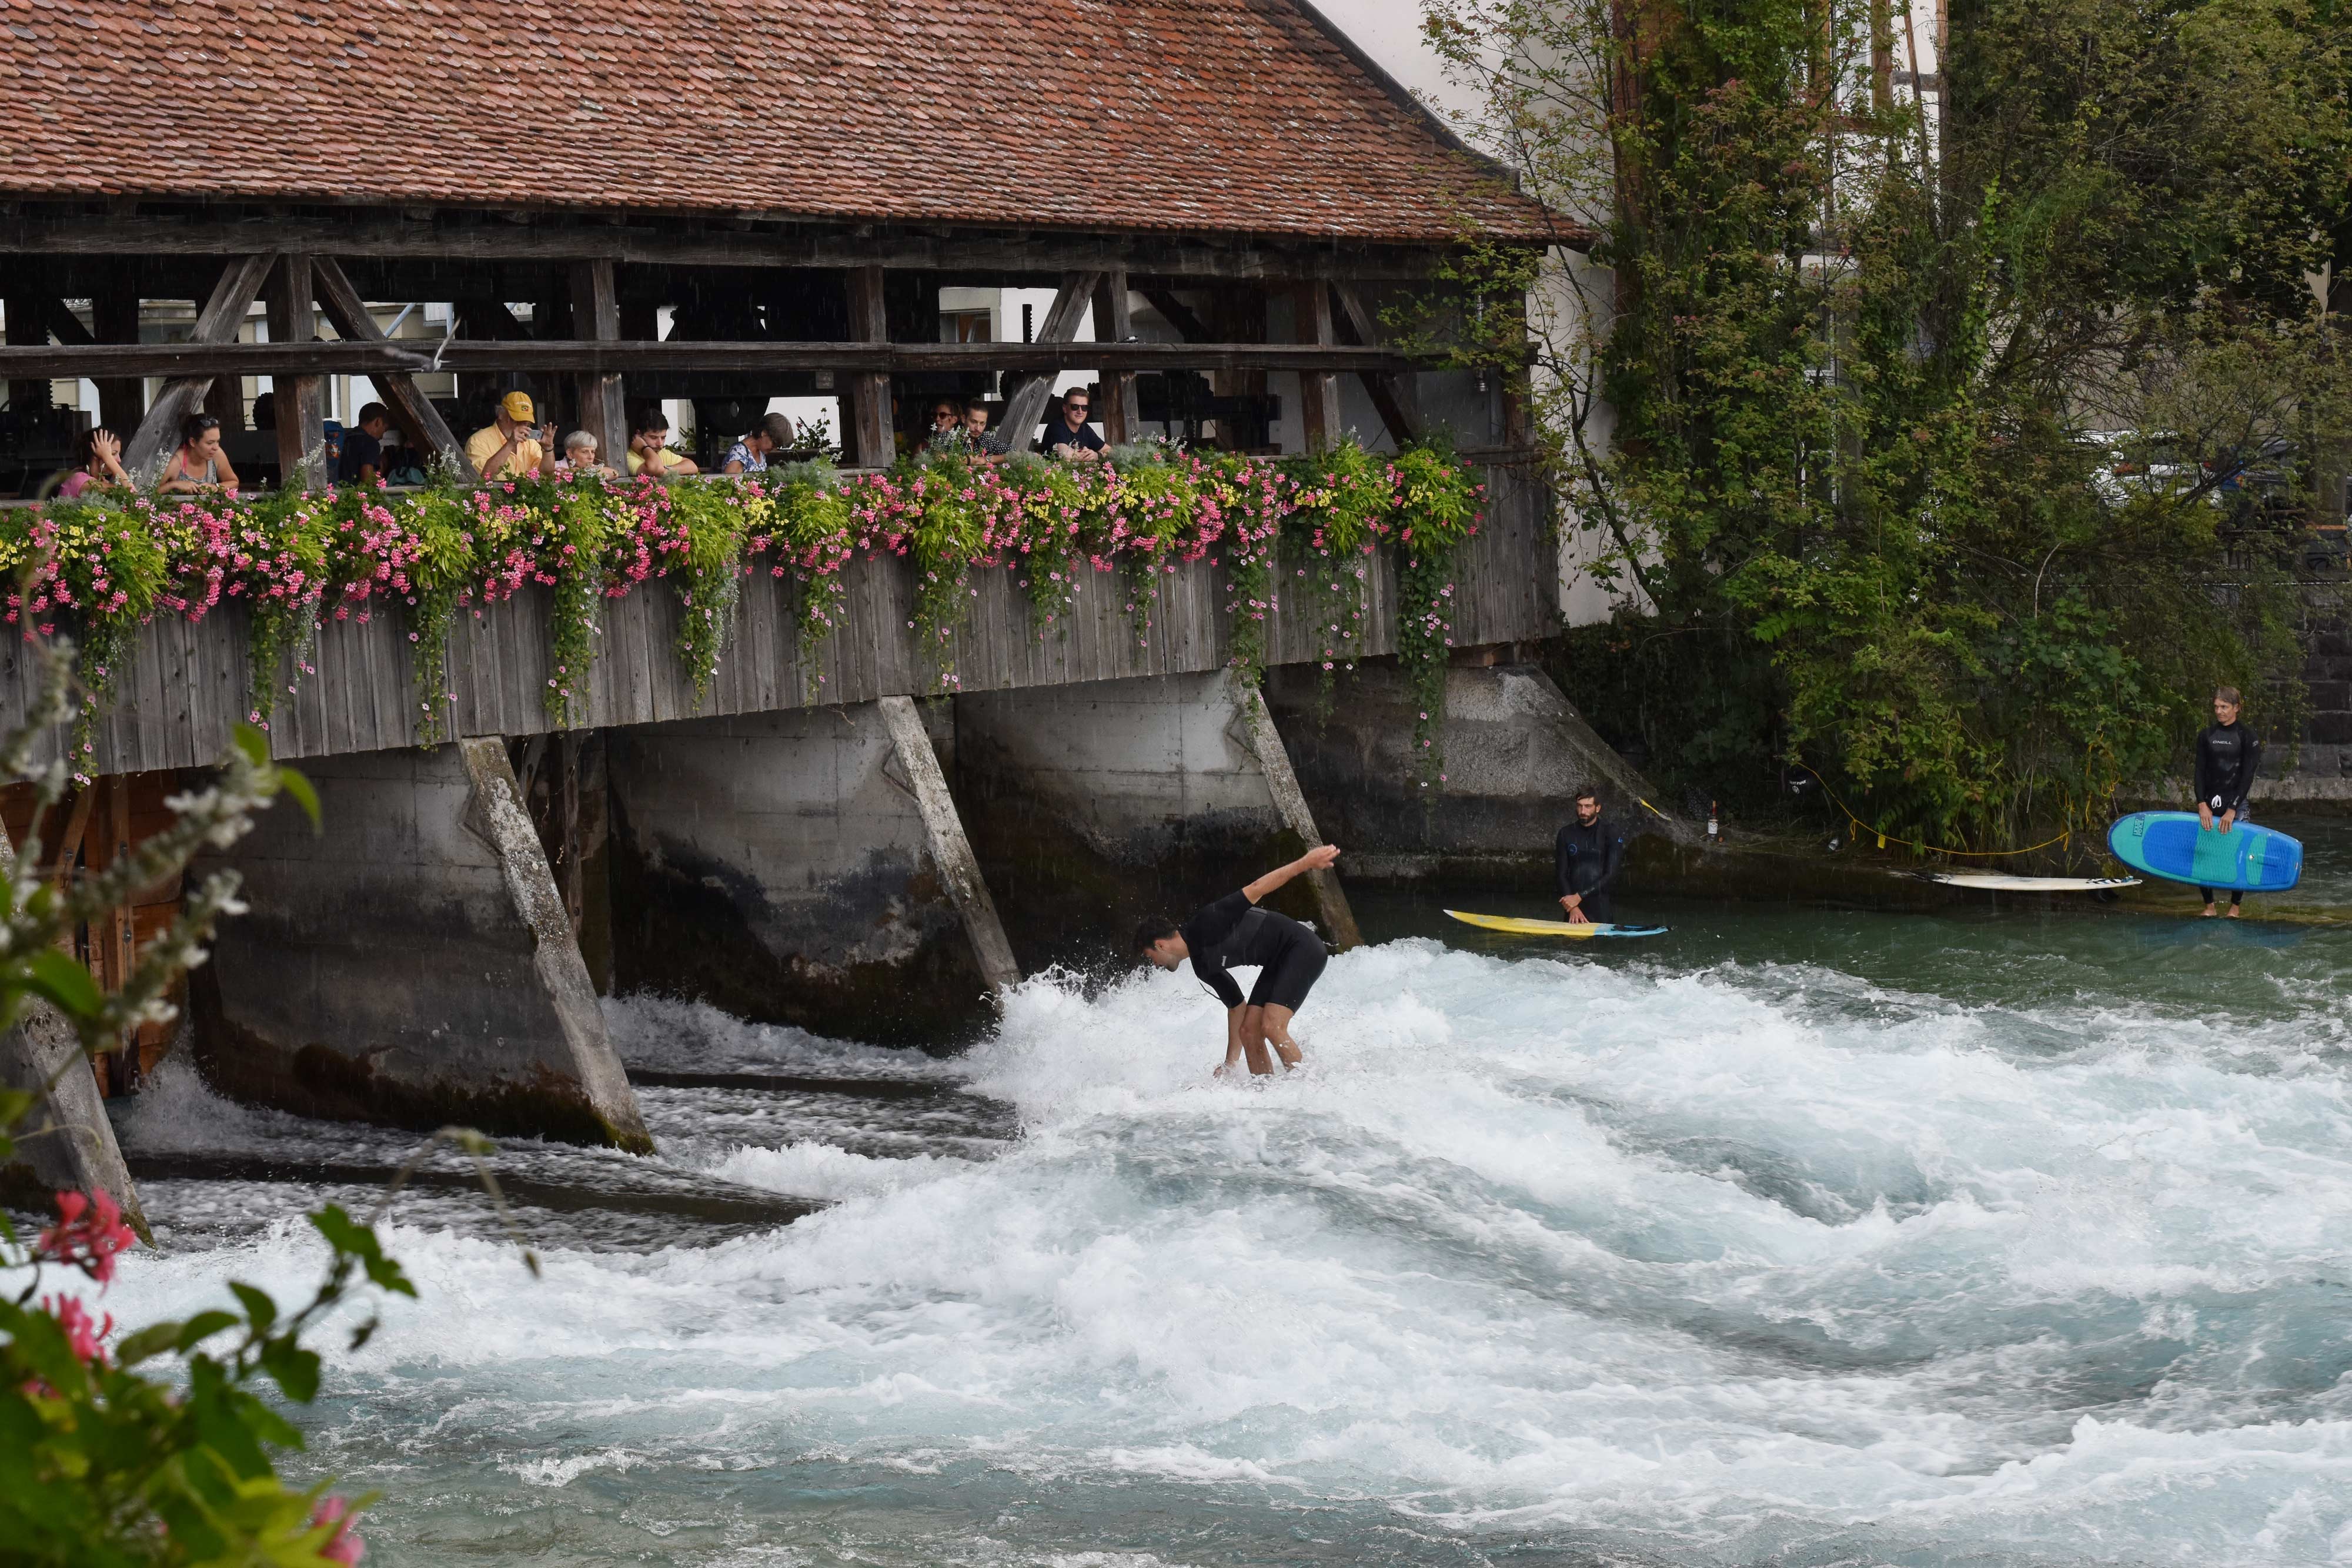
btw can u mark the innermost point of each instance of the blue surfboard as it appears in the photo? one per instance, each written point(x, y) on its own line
point(2176, 846)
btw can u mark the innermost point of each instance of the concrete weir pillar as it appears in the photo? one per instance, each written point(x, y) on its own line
point(1092, 804)
point(412, 963)
point(803, 867)
point(1514, 750)
point(66, 1144)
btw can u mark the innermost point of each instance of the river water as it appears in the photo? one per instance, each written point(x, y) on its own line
point(1793, 1236)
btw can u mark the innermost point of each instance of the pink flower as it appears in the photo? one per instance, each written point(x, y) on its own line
point(89, 1233)
point(83, 1332)
point(345, 1545)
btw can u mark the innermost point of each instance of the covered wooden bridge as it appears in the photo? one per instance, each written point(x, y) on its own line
point(1208, 209)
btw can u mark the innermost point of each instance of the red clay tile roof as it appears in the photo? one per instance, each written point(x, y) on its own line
point(1229, 116)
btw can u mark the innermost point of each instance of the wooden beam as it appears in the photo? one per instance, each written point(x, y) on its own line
point(1024, 403)
point(158, 434)
point(596, 315)
point(1318, 390)
point(300, 398)
point(876, 442)
point(1179, 315)
point(419, 420)
point(469, 236)
point(1388, 389)
point(1115, 324)
point(381, 357)
point(115, 317)
point(28, 305)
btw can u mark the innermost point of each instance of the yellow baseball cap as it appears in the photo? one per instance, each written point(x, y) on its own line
point(517, 406)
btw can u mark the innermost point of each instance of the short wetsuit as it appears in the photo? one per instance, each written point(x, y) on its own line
point(1233, 931)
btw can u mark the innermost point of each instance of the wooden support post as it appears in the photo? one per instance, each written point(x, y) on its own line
point(114, 319)
point(151, 447)
point(1387, 388)
point(950, 850)
point(1318, 390)
point(28, 305)
point(418, 420)
point(596, 315)
point(874, 442)
point(1115, 323)
point(1024, 403)
point(1290, 805)
point(301, 400)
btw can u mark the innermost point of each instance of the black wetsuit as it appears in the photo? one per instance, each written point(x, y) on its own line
point(1233, 931)
point(2227, 756)
point(1586, 861)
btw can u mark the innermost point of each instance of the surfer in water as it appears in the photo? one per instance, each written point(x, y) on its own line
point(1233, 931)
point(2227, 755)
point(1586, 858)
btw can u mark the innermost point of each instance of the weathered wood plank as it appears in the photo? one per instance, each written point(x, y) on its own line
point(189, 687)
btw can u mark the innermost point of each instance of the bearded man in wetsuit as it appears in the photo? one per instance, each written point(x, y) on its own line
point(2227, 754)
point(1234, 932)
point(1586, 858)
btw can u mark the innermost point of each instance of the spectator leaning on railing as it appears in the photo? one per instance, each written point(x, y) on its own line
point(199, 463)
point(649, 450)
point(976, 434)
point(1070, 437)
point(749, 454)
point(579, 455)
point(362, 457)
point(98, 460)
point(512, 446)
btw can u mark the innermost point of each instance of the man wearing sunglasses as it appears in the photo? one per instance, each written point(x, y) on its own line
point(1070, 437)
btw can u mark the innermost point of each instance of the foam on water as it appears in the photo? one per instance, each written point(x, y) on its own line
point(1713, 1265)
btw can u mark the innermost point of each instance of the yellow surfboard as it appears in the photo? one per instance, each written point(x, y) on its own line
point(1515, 926)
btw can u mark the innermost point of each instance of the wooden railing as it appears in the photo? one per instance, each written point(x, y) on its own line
point(188, 686)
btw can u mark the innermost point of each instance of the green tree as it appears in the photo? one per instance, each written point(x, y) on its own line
point(1871, 370)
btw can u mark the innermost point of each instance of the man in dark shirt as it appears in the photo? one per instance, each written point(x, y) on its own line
point(1071, 431)
point(364, 446)
point(1287, 956)
point(2227, 754)
point(1586, 858)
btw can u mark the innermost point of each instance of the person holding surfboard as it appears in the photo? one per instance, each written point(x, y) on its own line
point(1234, 932)
point(1586, 858)
point(2227, 754)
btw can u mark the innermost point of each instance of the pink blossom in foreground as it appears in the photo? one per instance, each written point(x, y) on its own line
point(89, 1233)
point(345, 1545)
point(85, 1335)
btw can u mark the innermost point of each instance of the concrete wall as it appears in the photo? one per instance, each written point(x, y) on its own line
point(2321, 770)
point(775, 866)
point(411, 965)
point(1090, 806)
point(1515, 749)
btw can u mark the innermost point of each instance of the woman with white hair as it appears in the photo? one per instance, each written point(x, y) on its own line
point(579, 455)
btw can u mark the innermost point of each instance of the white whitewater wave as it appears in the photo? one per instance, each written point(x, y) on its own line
point(1724, 1263)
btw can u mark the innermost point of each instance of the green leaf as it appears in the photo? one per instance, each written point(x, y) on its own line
point(152, 1341)
point(258, 1308)
point(201, 1327)
point(294, 1369)
point(306, 795)
point(61, 979)
point(252, 742)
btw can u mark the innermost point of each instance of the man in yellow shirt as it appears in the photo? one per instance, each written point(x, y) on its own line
point(511, 447)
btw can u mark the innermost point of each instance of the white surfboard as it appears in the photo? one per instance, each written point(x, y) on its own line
point(2001, 882)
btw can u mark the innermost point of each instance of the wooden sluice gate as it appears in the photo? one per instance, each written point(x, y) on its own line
point(82, 834)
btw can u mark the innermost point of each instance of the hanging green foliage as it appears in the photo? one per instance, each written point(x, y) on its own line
point(1850, 405)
